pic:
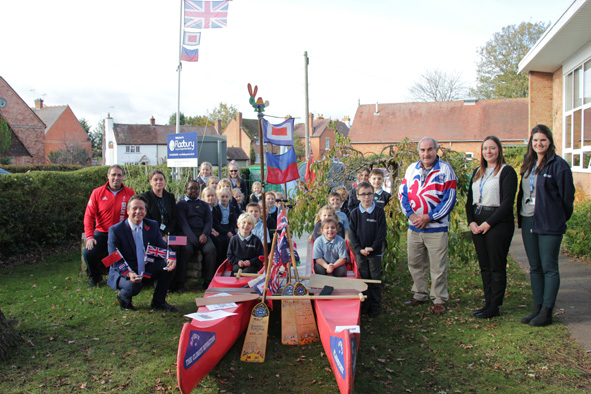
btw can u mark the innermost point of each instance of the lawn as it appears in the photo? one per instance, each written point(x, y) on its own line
point(77, 340)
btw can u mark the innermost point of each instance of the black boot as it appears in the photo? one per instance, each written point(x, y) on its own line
point(490, 312)
point(533, 314)
point(477, 311)
point(543, 319)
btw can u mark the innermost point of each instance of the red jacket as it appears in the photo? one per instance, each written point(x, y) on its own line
point(105, 209)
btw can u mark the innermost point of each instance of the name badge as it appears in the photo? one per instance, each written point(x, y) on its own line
point(371, 220)
point(162, 226)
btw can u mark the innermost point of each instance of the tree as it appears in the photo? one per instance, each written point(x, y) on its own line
point(71, 154)
point(497, 69)
point(187, 120)
point(298, 146)
point(84, 125)
point(5, 136)
point(437, 85)
point(224, 112)
point(96, 139)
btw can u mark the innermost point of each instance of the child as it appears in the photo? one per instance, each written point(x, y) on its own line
point(381, 197)
point(323, 213)
point(271, 212)
point(213, 181)
point(334, 200)
point(208, 195)
point(344, 208)
point(235, 179)
point(245, 248)
point(330, 251)
point(239, 197)
point(278, 199)
point(205, 170)
point(256, 195)
point(225, 219)
point(368, 232)
point(362, 176)
point(225, 183)
point(271, 222)
point(254, 210)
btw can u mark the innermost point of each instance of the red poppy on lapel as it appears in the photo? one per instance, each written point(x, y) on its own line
point(147, 228)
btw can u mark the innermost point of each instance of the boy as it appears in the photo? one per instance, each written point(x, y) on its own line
point(225, 221)
point(271, 212)
point(381, 197)
point(368, 232)
point(245, 248)
point(362, 176)
point(335, 201)
point(254, 210)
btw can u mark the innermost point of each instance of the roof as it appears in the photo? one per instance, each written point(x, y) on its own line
point(565, 37)
point(236, 154)
point(49, 115)
point(319, 127)
point(251, 128)
point(145, 134)
point(442, 120)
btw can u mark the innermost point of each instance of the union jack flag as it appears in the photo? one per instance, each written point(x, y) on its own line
point(206, 14)
point(151, 250)
point(161, 253)
point(281, 220)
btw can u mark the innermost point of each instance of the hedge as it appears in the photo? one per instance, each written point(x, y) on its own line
point(44, 208)
point(577, 240)
point(21, 169)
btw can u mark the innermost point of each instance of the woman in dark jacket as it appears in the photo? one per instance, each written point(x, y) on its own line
point(489, 209)
point(544, 204)
point(161, 204)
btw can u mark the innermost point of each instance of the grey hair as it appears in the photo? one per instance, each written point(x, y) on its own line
point(435, 144)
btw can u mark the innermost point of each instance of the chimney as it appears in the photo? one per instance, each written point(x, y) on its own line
point(311, 123)
point(38, 103)
point(239, 121)
point(218, 126)
point(377, 110)
point(153, 121)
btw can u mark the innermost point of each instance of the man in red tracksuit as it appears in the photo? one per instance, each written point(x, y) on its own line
point(107, 206)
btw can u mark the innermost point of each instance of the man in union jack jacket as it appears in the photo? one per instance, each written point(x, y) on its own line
point(427, 196)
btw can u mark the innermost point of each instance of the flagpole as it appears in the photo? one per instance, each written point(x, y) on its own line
point(179, 69)
point(264, 205)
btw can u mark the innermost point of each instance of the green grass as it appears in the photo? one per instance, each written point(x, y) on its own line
point(79, 341)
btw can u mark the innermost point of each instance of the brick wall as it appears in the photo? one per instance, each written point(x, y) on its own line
point(65, 132)
point(541, 99)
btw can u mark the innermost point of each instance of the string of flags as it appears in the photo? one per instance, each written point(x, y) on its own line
point(200, 15)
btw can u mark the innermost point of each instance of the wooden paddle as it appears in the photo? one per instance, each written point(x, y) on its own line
point(320, 281)
point(255, 343)
point(289, 333)
point(226, 299)
point(307, 331)
point(238, 275)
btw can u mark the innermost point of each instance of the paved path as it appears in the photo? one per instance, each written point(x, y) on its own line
point(573, 305)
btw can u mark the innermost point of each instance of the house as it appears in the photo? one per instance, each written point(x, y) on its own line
point(147, 143)
point(26, 128)
point(63, 130)
point(457, 125)
point(559, 68)
point(322, 134)
point(244, 134)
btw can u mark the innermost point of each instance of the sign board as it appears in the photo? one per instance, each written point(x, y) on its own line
point(181, 150)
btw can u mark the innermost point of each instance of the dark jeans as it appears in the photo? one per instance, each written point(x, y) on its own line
point(209, 262)
point(93, 258)
point(542, 252)
point(492, 249)
point(370, 267)
point(130, 289)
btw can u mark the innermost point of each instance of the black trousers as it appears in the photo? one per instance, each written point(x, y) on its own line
point(93, 258)
point(209, 263)
point(370, 267)
point(492, 249)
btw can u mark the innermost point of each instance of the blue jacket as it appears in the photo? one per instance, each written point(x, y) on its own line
point(555, 196)
point(121, 238)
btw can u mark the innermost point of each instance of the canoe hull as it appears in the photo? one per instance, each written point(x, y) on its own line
point(203, 344)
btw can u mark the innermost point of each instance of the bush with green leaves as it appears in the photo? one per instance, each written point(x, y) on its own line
point(577, 240)
point(395, 158)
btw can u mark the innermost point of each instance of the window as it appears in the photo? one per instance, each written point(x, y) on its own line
point(577, 118)
point(132, 149)
point(327, 143)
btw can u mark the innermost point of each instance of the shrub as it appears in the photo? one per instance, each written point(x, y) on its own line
point(577, 240)
point(21, 169)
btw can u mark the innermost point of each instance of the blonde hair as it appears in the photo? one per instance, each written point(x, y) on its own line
point(225, 183)
point(223, 190)
point(238, 178)
point(246, 216)
point(211, 179)
point(208, 189)
point(206, 164)
point(237, 192)
point(326, 208)
point(257, 183)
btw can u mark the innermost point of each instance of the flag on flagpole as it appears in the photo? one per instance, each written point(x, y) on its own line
point(191, 38)
point(310, 176)
point(206, 14)
point(177, 240)
point(112, 258)
point(189, 54)
point(282, 168)
point(280, 134)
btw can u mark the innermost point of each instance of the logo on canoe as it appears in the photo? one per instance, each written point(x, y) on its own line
point(338, 355)
point(199, 344)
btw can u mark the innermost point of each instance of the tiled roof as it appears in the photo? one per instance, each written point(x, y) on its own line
point(50, 114)
point(442, 120)
point(319, 127)
point(145, 134)
point(236, 154)
point(251, 128)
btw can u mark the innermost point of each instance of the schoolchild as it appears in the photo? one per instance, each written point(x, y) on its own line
point(362, 176)
point(257, 189)
point(239, 197)
point(205, 170)
point(254, 210)
point(213, 182)
point(381, 197)
point(335, 201)
point(245, 248)
point(225, 219)
point(344, 208)
point(323, 213)
point(271, 212)
point(330, 251)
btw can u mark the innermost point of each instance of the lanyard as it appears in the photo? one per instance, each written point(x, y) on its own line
point(532, 180)
point(483, 183)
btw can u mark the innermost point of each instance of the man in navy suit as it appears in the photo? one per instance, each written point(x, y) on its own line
point(129, 279)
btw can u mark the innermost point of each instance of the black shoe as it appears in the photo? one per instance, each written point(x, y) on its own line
point(477, 311)
point(163, 306)
point(94, 282)
point(533, 314)
point(489, 313)
point(543, 318)
point(124, 306)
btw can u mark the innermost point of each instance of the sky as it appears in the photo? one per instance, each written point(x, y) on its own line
point(120, 57)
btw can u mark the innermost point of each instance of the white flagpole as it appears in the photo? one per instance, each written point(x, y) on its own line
point(179, 69)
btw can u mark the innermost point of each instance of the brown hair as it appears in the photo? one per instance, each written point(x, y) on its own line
point(531, 156)
point(483, 163)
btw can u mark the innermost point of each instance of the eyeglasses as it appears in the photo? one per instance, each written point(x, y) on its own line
point(365, 194)
point(233, 170)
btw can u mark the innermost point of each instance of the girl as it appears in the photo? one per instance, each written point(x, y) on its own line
point(225, 219)
point(237, 182)
point(213, 181)
point(323, 213)
point(239, 197)
point(245, 248)
point(330, 251)
point(161, 204)
point(257, 189)
point(205, 170)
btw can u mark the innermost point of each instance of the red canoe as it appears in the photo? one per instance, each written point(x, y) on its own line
point(202, 344)
point(338, 325)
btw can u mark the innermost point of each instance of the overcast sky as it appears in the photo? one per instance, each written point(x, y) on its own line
point(120, 56)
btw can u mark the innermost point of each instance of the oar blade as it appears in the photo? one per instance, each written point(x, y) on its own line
point(307, 330)
point(289, 334)
point(319, 281)
point(255, 343)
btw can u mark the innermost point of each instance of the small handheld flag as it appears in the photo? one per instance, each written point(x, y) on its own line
point(177, 240)
point(112, 259)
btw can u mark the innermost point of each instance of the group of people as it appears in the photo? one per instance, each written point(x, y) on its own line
point(219, 220)
point(544, 205)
